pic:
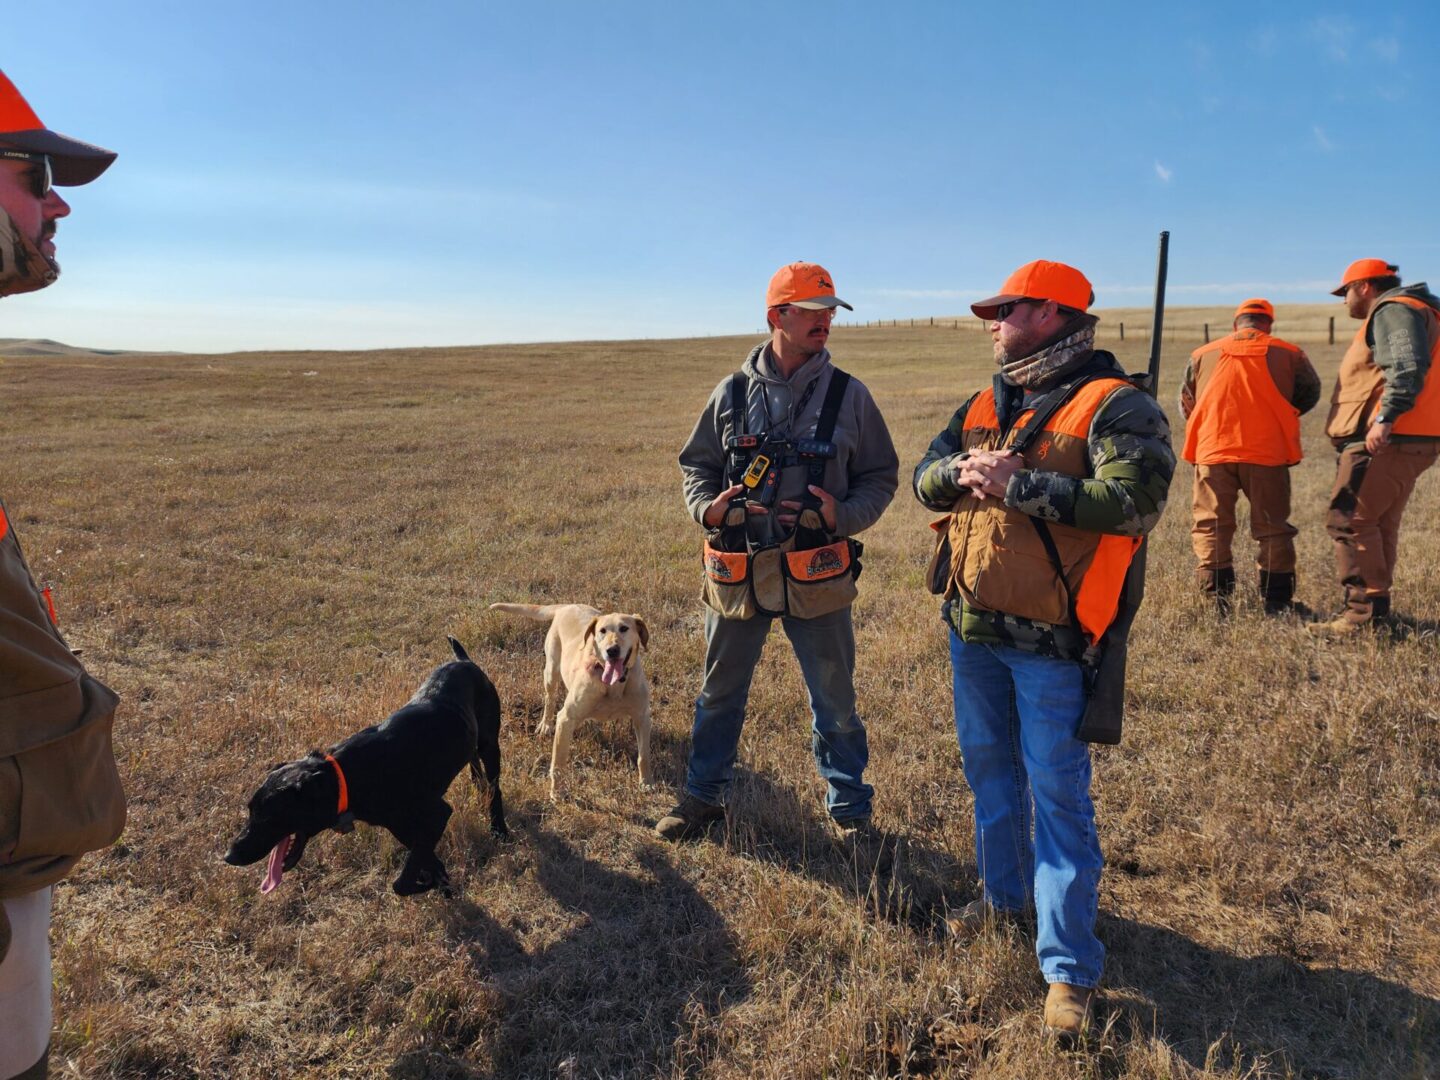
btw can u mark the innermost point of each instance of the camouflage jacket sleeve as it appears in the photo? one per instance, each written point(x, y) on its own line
point(1402, 352)
point(934, 477)
point(1187, 390)
point(1307, 384)
point(1131, 463)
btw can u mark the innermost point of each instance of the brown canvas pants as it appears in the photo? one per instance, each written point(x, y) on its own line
point(1364, 519)
point(1217, 490)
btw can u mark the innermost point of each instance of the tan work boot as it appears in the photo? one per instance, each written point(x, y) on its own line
point(691, 817)
point(1067, 1011)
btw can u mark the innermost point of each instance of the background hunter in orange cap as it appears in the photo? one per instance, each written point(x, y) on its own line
point(1256, 306)
point(1040, 280)
point(71, 161)
point(803, 285)
point(1364, 270)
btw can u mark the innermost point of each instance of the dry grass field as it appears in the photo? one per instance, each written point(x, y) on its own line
point(263, 553)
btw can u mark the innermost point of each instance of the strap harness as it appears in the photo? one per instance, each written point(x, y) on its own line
point(1040, 415)
point(814, 452)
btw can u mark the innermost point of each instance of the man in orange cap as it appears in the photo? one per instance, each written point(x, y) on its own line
point(1049, 478)
point(55, 719)
point(789, 454)
point(1243, 396)
point(1385, 421)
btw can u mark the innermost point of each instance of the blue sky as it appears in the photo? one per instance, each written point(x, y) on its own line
point(366, 174)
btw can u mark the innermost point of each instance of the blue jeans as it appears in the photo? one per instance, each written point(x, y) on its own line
point(1016, 714)
point(825, 647)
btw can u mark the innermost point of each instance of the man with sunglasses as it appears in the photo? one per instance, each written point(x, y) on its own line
point(784, 392)
point(60, 794)
point(1385, 422)
point(1049, 478)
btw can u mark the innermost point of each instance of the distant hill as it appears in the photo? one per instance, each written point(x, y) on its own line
point(46, 347)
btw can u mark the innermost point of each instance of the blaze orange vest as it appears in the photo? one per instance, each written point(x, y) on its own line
point(1240, 414)
point(998, 561)
point(1361, 384)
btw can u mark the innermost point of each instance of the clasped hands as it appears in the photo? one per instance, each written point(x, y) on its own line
point(987, 472)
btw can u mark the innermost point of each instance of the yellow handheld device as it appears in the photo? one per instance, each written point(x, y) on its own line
point(756, 472)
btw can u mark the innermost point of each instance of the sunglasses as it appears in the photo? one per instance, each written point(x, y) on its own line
point(1004, 311)
point(42, 178)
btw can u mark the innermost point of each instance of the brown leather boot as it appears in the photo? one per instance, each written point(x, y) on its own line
point(1067, 1011)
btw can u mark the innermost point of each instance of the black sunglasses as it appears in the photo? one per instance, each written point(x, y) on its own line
point(41, 179)
point(1003, 311)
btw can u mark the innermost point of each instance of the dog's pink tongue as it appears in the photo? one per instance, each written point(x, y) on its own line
point(613, 672)
point(276, 866)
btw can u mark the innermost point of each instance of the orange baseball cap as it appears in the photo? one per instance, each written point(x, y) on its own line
point(1041, 280)
point(1364, 270)
point(803, 285)
point(1256, 307)
point(71, 161)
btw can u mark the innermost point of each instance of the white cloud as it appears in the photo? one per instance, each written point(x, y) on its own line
point(1386, 48)
point(1163, 173)
point(1334, 34)
point(1322, 139)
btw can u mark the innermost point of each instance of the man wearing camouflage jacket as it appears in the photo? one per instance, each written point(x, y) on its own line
point(1385, 422)
point(1089, 482)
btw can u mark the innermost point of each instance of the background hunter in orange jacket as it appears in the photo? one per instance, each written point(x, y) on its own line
point(1243, 396)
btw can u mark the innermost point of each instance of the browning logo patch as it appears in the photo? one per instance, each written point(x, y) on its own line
point(718, 568)
point(824, 561)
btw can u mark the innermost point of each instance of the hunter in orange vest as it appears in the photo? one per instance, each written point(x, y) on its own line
point(1385, 421)
point(60, 792)
point(1243, 397)
point(1048, 479)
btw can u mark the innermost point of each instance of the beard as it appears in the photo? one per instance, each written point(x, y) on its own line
point(23, 266)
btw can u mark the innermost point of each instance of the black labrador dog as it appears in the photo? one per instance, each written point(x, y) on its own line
point(395, 775)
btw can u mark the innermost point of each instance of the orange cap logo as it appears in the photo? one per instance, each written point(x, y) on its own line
point(803, 284)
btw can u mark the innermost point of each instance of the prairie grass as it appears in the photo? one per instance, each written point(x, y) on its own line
point(263, 553)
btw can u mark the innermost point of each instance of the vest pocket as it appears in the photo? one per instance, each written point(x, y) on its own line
point(70, 799)
point(726, 584)
point(1014, 574)
point(821, 580)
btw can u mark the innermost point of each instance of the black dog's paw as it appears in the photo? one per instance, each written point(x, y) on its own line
point(502, 833)
point(421, 881)
point(414, 882)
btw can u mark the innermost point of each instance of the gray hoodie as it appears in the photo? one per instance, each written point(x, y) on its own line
point(862, 476)
point(1398, 335)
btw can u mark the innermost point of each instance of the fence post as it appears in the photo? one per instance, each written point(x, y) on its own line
point(1332, 329)
point(932, 320)
point(1207, 333)
point(1122, 331)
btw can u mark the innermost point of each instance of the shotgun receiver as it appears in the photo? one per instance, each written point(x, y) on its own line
point(1105, 705)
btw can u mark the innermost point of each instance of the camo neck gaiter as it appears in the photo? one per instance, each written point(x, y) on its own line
point(1054, 360)
point(22, 266)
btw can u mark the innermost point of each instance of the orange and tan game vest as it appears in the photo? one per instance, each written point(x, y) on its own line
point(1361, 384)
point(998, 561)
point(1240, 414)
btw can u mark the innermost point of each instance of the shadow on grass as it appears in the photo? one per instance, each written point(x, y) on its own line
point(769, 822)
point(1237, 1014)
point(641, 979)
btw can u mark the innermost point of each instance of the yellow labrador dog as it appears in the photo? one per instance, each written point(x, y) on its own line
point(595, 660)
